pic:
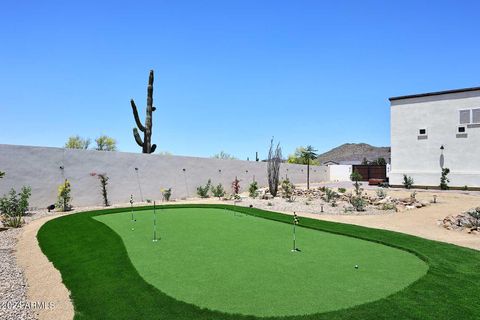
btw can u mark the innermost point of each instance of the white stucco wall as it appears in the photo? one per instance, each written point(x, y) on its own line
point(39, 167)
point(339, 172)
point(421, 159)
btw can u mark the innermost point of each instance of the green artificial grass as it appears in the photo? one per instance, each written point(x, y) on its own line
point(110, 278)
point(237, 263)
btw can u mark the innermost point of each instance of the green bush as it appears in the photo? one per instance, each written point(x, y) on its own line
point(202, 192)
point(342, 190)
point(218, 191)
point(64, 196)
point(358, 203)
point(166, 194)
point(443, 179)
point(253, 190)
point(330, 195)
point(2, 174)
point(14, 206)
point(287, 190)
point(407, 181)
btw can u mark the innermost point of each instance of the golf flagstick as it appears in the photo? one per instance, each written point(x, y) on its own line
point(131, 208)
point(295, 222)
point(154, 222)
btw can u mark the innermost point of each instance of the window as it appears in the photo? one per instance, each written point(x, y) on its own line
point(461, 129)
point(475, 116)
point(422, 132)
point(464, 116)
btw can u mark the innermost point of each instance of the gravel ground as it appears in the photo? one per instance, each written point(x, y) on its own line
point(13, 286)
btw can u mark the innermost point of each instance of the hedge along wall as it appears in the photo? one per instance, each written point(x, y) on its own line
point(44, 169)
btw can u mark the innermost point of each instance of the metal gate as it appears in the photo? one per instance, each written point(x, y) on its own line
point(371, 171)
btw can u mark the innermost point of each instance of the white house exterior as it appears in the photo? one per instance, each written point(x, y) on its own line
point(436, 129)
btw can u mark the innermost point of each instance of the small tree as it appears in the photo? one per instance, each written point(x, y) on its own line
point(64, 196)
point(443, 179)
point(218, 191)
point(203, 191)
point(253, 189)
point(2, 174)
point(236, 186)
point(357, 200)
point(103, 184)
point(356, 177)
point(106, 143)
point(77, 142)
point(407, 181)
point(309, 154)
point(273, 168)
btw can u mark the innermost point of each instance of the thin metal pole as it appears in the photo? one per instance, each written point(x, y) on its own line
point(131, 208)
point(294, 238)
point(154, 222)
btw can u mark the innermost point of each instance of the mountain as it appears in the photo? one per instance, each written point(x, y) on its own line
point(354, 153)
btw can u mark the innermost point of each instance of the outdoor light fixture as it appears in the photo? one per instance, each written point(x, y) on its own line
point(61, 168)
point(219, 170)
point(184, 169)
point(246, 171)
point(321, 208)
point(434, 198)
point(442, 147)
point(136, 169)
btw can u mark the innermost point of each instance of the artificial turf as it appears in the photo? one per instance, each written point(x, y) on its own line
point(236, 263)
point(112, 279)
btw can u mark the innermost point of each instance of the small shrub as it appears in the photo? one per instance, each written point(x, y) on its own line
point(218, 191)
point(443, 179)
point(253, 190)
point(14, 206)
point(202, 191)
point(103, 185)
point(236, 186)
point(413, 196)
point(388, 206)
point(381, 194)
point(2, 174)
point(269, 204)
point(287, 190)
point(358, 203)
point(330, 195)
point(407, 181)
point(474, 218)
point(465, 188)
point(166, 194)
point(342, 190)
point(64, 196)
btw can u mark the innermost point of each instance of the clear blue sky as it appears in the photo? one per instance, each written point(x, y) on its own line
point(229, 74)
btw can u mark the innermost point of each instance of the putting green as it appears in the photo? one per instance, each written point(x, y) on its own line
point(236, 263)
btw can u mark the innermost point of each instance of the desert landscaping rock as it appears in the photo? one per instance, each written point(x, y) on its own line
point(13, 286)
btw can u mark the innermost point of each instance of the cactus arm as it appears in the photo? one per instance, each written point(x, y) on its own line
point(137, 137)
point(152, 149)
point(137, 118)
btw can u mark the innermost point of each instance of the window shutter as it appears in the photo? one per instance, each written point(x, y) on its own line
point(476, 116)
point(465, 116)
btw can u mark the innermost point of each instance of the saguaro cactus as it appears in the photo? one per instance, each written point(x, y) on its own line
point(146, 144)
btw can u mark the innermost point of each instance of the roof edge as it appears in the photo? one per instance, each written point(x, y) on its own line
point(437, 93)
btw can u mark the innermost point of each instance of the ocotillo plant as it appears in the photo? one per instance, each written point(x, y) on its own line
point(146, 144)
